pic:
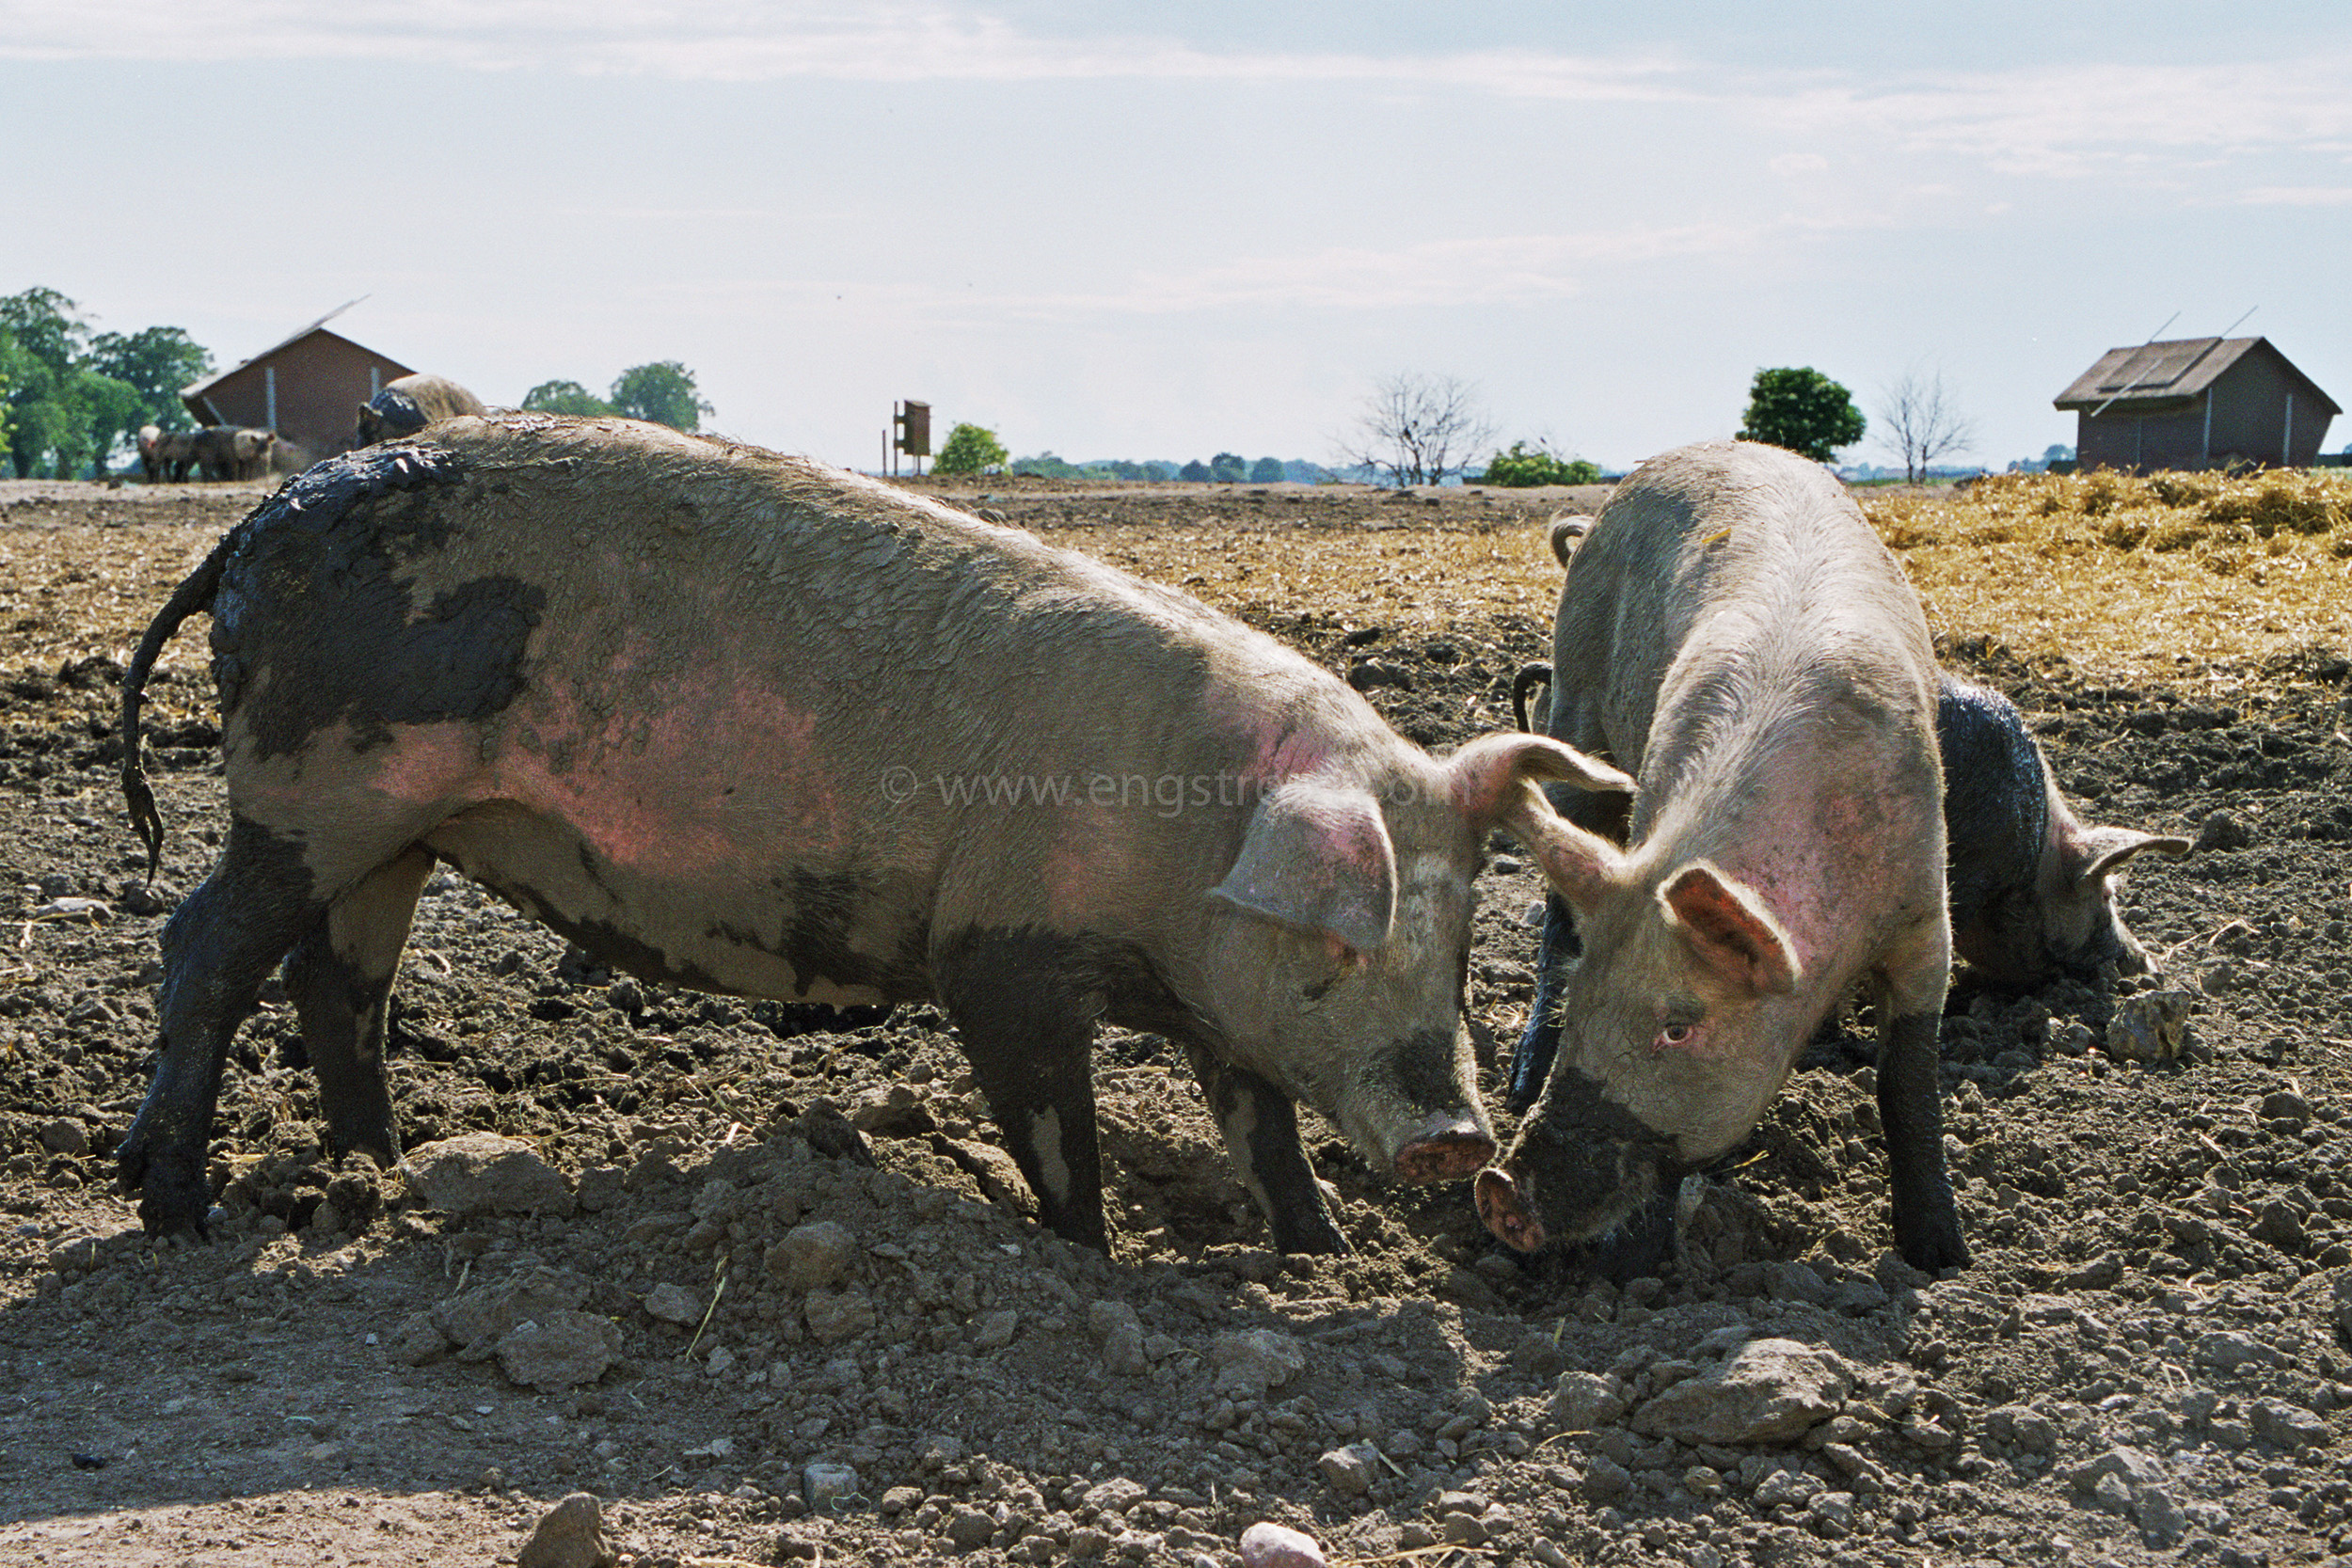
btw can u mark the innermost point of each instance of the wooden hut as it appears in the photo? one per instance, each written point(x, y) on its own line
point(2196, 402)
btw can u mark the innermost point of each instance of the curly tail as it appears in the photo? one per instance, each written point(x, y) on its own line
point(192, 596)
point(1529, 677)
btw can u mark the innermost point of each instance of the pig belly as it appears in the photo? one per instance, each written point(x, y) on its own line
point(762, 928)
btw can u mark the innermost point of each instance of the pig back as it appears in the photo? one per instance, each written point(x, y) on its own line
point(752, 660)
point(1734, 584)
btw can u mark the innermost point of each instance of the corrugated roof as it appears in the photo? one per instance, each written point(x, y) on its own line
point(2168, 372)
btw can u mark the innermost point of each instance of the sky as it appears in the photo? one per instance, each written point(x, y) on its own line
point(1164, 230)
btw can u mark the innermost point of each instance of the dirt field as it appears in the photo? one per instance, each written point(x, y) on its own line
point(2146, 1362)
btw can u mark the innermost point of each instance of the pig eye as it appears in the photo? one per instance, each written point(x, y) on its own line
point(1675, 1035)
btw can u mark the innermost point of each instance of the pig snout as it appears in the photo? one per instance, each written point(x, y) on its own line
point(1579, 1169)
point(1446, 1147)
point(1502, 1209)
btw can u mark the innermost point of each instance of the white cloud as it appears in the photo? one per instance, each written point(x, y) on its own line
point(719, 40)
point(2299, 195)
point(2075, 120)
point(1799, 163)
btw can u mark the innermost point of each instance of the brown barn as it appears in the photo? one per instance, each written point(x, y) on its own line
point(308, 388)
point(2196, 402)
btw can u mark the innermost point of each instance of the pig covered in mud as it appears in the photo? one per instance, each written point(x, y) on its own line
point(2033, 887)
point(745, 723)
point(1734, 635)
point(408, 404)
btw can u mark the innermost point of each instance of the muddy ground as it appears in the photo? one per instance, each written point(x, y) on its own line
point(2146, 1361)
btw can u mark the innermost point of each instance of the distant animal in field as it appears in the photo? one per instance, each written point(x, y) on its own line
point(408, 404)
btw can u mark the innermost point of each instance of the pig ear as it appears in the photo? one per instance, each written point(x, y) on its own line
point(1731, 928)
point(1318, 860)
point(1492, 783)
point(1488, 777)
point(2090, 853)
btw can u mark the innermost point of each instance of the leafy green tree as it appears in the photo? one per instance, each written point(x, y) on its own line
point(1048, 465)
point(1196, 471)
point(1228, 468)
point(565, 397)
point(971, 449)
point(1802, 410)
point(47, 337)
point(156, 361)
point(662, 393)
point(73, 399)
point(1266, 471)
point(1524, 466)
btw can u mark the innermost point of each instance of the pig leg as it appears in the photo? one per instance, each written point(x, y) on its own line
point(341, 979)
point(1911, 1109)
point(219, 948)
point(1530, 1063)
point(1027, 1028)
point(1261, 1127)
point(1540, 1042)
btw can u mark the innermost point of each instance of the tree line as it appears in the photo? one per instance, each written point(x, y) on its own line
point(71, 400)
point(663, 392)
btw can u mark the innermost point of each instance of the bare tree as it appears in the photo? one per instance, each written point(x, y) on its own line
point(1416, 429)
point(1918, 422)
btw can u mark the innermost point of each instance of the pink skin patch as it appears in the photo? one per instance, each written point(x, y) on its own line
point(677, 773)
point(1447, 1157)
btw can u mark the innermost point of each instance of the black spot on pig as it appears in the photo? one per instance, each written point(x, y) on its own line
point(336, 536)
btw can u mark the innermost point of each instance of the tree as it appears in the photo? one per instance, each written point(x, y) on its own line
point(662, 393)
point(71, 400)
point(1918, 422)
point(46, 335)
point(156, 361)
point(565, 397)
point(971, 449)
point(1228, 468)
point(1524, 466)
point(1802, 410)
point(1266, 471)
point(1196, 471)
point(1417, 429)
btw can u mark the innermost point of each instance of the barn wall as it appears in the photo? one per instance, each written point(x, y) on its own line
point(2142, 442)
point(321, 381)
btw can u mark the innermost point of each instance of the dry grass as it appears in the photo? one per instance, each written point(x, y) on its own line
point(2173, 577)
point(2178, 577)
point(1419, 577)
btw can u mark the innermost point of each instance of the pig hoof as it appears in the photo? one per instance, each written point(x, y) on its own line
point(1498, 1206)
point(172, 1206)
point(1934, 1253)
point(172, 1202)
point(1448, 1157)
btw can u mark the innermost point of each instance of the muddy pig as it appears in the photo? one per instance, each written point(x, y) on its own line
point(1736, 636)
point(2032, 888)
point(408, 404)
point(746, 723)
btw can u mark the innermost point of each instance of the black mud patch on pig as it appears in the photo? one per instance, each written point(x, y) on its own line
point(338, 536)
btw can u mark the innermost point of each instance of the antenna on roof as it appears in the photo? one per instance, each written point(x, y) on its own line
point(2125, 382)
point(2199, 358)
